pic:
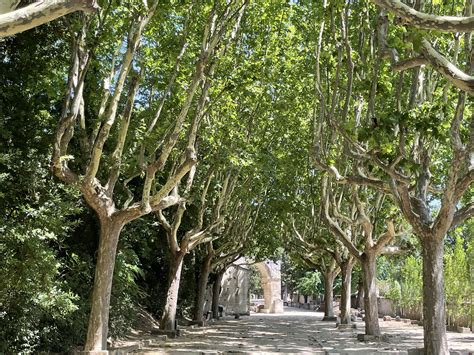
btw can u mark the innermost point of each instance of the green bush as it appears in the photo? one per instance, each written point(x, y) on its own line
point(411, 284)
point(457, 280)
point(310, 283)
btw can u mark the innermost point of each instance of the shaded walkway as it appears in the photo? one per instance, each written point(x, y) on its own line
point(297, 331)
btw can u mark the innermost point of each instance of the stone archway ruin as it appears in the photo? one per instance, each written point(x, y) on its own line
point(271, 284)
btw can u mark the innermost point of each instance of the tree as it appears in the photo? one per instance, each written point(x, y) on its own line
point(99, 163)
point(371, 247)
point(199, 233)
point(406, 170)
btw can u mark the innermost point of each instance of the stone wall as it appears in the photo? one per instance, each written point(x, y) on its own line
point(235, 290)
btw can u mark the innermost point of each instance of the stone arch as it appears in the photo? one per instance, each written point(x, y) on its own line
point(271, 284)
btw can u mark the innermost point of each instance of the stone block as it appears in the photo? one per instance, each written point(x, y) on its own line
point(160, 338)
point(168, 333)
point(463, 330)
point(365, 337)
point(414, 322)
point(416, 351)
point(92, 352)
point(398, 319)
point(344, 327)
point(330, 319)
point(124, 350)
point(406, 320)
point(145, 343)
point(200, 323)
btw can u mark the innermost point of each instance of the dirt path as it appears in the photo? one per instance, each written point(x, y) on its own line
point(296, 331)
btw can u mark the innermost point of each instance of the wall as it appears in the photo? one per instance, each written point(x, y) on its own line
point(235, 288)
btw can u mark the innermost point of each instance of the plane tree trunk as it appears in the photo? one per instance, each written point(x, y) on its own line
point(370, 293)
point(201, 290)
point(346, 274)
point(99, 317)
point(434, 313)
point(216, 290)
point(329, 277)
point(168, 320)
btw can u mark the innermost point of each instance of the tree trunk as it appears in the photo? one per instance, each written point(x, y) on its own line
point(370, 294)
point(202, 286)
point(360, 295)
point(328, 294)
point(434, 313)
point(345, 306)
point(99, 317)
point(168, 320)
point(216, 290)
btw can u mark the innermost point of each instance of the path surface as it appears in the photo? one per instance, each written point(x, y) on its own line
point(297, 331)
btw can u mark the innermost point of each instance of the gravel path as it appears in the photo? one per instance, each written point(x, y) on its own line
point(297, 331)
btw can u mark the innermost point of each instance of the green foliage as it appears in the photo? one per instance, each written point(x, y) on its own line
point(255, 282)
point(394, 292)
point(411, 283)
point(310, 283)
point(457, 279)
point(259, 121)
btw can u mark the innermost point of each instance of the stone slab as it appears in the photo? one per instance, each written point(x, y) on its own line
point(168, 333)
point(365, 337)
point(124, 350)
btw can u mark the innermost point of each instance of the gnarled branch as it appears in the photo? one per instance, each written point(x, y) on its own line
point(421, 20)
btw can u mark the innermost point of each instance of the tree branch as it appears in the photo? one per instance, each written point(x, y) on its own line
point(425, 21)
point(41, 12)
point(410, 63)
point(462, 214)
point(452, 73)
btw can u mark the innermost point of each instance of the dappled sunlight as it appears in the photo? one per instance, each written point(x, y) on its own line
point(298, 331)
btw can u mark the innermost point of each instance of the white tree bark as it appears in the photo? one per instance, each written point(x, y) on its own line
point(425, 21)
point(40, 12)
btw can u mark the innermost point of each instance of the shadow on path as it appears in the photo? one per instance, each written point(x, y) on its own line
point(297, 331)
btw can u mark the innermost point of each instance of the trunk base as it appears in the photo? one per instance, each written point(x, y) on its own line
point(329, 319)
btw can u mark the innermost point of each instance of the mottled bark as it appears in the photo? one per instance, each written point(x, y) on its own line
point(104, 271)
point(370, 294)
point(201, 288)
point(329, 294)
point(168, 320)
point(345, 306)
point(360, 295)
point(425, 21)
point(216, 290)
point(434, 313)
point(41, 12)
